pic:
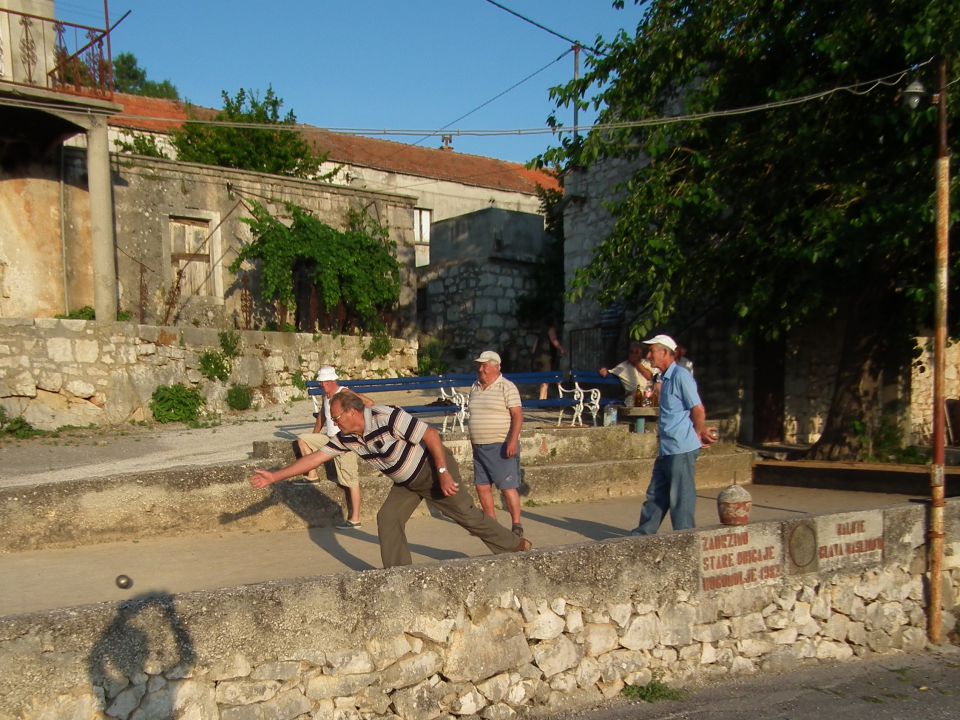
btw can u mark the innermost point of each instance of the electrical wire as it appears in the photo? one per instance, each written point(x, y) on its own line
point(497, 96)
point(538, 25)
point(860, 88)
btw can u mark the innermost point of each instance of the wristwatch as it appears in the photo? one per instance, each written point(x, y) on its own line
point(441, 470)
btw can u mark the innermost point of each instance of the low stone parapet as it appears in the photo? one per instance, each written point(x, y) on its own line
point(493, 636)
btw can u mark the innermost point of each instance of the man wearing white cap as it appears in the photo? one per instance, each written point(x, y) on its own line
point(683, 431)
point(495, 421)
point(345, 466)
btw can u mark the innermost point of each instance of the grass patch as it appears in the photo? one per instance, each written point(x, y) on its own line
point(654, 691)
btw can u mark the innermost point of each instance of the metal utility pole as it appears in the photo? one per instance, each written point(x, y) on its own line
point(935, 534)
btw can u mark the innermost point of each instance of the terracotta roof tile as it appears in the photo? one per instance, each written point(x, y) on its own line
point(159, 115)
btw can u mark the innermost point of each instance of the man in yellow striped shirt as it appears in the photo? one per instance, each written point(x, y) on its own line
point(495, 420)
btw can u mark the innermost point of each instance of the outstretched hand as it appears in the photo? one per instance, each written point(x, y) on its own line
point(262, 478)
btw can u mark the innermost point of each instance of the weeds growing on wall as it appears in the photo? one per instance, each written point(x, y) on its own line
point(653, 691)
point(176, 403)
point(214, 365)
point(88, 313)
point(379, 347)
point(429, 360)
point(299, 382)
point(17, 427)
point(239, 397)
point(231, 344)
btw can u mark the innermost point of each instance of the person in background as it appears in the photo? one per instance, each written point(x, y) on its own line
point(495, 421)
point(682, 432)
point(632, 372)
point(346, 473)
point(411, 454)
point(683, 360)
point(546, 352)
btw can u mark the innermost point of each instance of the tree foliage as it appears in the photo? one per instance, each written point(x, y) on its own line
point(782, 217)
point(129, 77)
point(278, 151)
point(354, 270)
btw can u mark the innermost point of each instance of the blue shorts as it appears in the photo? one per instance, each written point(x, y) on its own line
point(492, 467)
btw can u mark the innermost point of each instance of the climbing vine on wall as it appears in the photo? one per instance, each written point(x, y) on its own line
point(354, 270)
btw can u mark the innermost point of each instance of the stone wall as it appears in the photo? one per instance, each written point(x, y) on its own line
point(921, 389)
point(481, 264)
point(74, 372)
point(46, 255)
point(490, 636)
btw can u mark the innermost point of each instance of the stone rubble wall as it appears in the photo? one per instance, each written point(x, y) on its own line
point(471, 307)
point(921, 389)
point(490, 637)
point(56, 373)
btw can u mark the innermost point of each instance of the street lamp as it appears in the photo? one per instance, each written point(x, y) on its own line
point(912, 97)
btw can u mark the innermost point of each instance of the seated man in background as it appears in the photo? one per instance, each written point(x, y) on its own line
point(633, 372)
point(345, 471)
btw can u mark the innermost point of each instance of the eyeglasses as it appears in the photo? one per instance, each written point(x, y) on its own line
point(335, 418)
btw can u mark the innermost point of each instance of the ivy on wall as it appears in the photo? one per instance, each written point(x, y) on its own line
point(354, 271)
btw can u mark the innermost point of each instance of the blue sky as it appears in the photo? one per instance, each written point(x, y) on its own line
point(384, 64)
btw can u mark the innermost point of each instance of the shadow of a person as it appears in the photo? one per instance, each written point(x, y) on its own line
point(586, 528)
point(146, 638)
point(318, 511)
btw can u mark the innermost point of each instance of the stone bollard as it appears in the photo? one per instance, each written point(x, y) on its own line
point(734, 504)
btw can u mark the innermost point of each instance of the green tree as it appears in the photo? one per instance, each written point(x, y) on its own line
point(129, 77)
point(783, 217)
point(355, 271)
point(280, 151)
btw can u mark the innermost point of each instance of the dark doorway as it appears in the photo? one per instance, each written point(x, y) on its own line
point(768, 376)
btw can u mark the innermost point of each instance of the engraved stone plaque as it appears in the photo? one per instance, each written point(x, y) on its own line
point(738, 557)
point(850, 539)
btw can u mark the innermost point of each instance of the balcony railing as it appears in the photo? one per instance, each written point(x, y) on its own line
point(53, 55)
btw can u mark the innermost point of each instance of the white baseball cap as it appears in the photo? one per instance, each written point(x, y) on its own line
point(326, 374)
point(664, 340)
point(488, 356)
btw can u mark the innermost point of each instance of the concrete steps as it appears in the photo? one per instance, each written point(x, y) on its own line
point(560, 465)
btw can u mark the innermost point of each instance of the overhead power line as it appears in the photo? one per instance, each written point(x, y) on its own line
point(535, 23)
point(860, 88)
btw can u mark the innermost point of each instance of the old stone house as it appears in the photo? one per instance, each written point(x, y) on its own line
point(151, 240)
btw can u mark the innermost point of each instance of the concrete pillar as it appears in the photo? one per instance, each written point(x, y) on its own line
point(101, 222)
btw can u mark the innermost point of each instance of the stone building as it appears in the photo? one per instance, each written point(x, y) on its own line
point(481, 264)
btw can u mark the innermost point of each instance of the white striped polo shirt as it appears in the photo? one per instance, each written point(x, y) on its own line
point(390, 442)
point(490, 411)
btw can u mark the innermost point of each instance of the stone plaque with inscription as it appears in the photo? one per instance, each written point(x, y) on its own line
point(850, 539)
point(738, 557)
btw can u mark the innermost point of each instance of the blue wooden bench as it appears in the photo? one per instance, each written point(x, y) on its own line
point(568, 399)
point(451, 402)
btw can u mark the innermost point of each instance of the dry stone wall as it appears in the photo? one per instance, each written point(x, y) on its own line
point(74, 372)
point(490, 637)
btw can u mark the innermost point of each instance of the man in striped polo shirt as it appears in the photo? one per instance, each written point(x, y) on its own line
point(410, 453)
point(495, 420)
